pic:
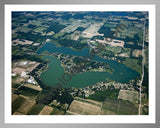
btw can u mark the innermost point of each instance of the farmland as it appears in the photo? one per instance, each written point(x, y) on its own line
point(35, 110)
point(17, 103)
point(46, 110)
point(83, 108)
point(131, 96)
point(118, 107)
point(26, 106)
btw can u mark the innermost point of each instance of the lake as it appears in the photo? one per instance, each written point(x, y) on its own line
point(55, 71)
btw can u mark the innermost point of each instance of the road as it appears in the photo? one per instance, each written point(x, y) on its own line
point(140, 89)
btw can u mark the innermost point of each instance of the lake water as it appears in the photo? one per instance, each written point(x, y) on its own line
point(55, 72)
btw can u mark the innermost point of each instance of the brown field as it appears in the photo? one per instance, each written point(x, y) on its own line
point(71, 113)
point(124, 55)
point(18, 80)
point(20, 67)
point(131, 96)
point(89, 101)
point(137, 53)
point(14, 97)
point(18, 70)
point(17, 41)
point(26, 106)
point(92, 30)
point(130, 43)
point(113, 42)
point(107, 112)
point(36, 44)
point(46, 110)
point(18, 113)
point(83, 108)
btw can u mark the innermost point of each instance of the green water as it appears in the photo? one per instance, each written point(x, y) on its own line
point(54, 75)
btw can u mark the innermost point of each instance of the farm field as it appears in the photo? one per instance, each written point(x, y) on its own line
point(118, 107)
point(24, 66)
point(133, 64)
point(46, 110)
point(89, 101)
point(28, 91)
point(35, 110)
point(26, 106)
point(83, 108)
point(57, 111)
point(131, 96)
point(14, 97)
point(17, 103)
point(18, 113)
point(34, 87)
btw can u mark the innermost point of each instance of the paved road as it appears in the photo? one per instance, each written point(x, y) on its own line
point(140, 89)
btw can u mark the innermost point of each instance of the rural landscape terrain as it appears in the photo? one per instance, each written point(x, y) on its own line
point(80, 63)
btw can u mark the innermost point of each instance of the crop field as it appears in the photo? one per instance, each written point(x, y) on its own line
point(14, 97)
point(133, 64)
point(17, 41)
point(57, 112)
point(24, 29)
point(137, 53)
point(46, 110)
point(83, 108)
point(40, 29)
point(28, 91)
point(110, 25)
point(89, 101)
point(114, 49)
point(131, 96)
point(17, 80)
point(115, 42)
point(18, 113)
point(92, 30)
point(35, 110)
point(118, 107)
point(24, 66)
point(34, 87)
point(17, 103)
point(26, 106)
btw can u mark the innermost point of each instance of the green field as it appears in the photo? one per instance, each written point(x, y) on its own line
point(35, 110)
point(17, 103)
point(114, 49)
point(110, 25)
point(133, 64)
point(119, 107)
point(57, 112)
point(28, 91)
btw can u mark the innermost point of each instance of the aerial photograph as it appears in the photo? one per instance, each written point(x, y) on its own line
point(80, 63)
